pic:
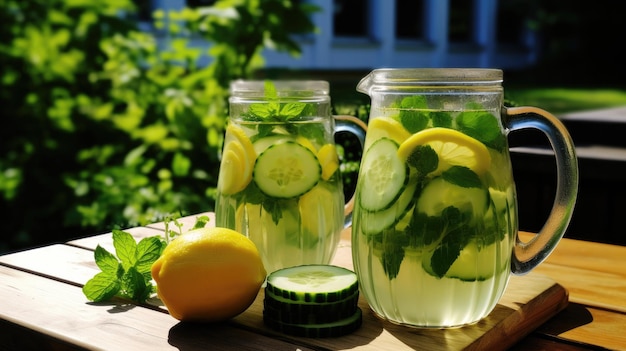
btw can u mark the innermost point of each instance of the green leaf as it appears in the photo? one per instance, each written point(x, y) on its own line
point(273, 206)
point(457, 233)
point(462, 176)
point(424, 159)
point(181, 164)
point(393, 252)
point(413, 121)
point(101, 287)
point(148, 251)
point(441, 119)
point(201, 222)
point(270, 90)
point(424, 230)
point(414, 102)
point(410, 115)
point(125, 248)
point(106, 261)
point(135, 286)
point(480, 125)
point(261, 111)
point(292, 109)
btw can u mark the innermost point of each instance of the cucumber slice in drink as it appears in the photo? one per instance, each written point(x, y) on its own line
point(376, 222)
point(312, 283)
point(476, 264)
point(262, 144)
point(286, 170)
point(383, 175)
point(439, 194)
point(287, 311)
point(318, 330)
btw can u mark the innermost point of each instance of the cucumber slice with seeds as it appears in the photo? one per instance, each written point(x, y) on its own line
point(286, 170)
point(318, 330)
point(383, 174)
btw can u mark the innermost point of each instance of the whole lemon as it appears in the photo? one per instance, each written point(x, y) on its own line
point(208, 274)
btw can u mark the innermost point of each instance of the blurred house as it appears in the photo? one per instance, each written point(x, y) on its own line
point(363, 34)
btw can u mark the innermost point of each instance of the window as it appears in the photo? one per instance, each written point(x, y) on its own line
point(409, 19)
point(460, 22)
point(350, 18)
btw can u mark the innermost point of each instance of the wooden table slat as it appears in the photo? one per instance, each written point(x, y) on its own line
point(113, 325)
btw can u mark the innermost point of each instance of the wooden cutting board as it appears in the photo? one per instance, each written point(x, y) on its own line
point(528, 302)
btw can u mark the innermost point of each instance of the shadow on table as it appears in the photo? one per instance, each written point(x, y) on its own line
point(220, 336)
point(573, 316)
point(235, 336)
point(487, 334)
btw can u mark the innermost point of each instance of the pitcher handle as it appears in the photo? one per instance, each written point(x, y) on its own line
point(527, 255)
point(351, 124)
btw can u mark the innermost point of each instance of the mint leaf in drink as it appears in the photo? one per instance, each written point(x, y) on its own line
point(441, 119)
point(424, 230)
point(392, 243)
point(270, 90)
point(391, 258)
point(292, 110)
point(260, 111)
point(462, 176)
point(272, 110)
point(424, 159)
point(411, 115)
point(414, 102)
point(274, 207)
point(455, 236)
point(447, 252)
point(480, 125)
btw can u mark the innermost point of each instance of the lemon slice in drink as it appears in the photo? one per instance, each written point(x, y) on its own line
point(452, 147)
point(241, 137)
point(329, 160)
point(385, 127)
point(306, 143)
point(238, 160)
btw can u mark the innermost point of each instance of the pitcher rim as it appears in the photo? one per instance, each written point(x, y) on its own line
point(431, 77)
point(287, 88)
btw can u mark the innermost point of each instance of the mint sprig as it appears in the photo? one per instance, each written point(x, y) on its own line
point(272, 110)
point(127, 274)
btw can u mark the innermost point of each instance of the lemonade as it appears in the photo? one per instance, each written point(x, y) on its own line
point(279, 181)
point(435, 214)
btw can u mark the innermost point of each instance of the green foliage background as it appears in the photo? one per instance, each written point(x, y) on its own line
point(103, 126)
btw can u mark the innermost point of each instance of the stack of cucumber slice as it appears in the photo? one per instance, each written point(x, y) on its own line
point(312, 301)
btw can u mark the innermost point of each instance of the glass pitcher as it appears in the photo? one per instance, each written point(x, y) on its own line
point(279, 181)
point(434, 236)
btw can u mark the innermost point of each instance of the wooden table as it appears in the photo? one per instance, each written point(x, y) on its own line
point(42, 307)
